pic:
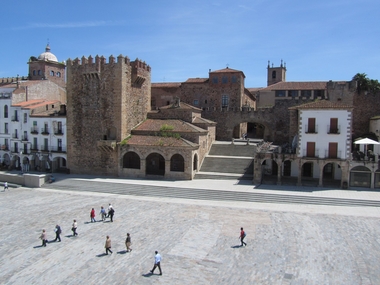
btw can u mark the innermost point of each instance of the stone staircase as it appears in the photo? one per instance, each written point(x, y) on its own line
point(228, 161)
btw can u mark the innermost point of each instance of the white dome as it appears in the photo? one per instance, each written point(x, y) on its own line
point(47, 55)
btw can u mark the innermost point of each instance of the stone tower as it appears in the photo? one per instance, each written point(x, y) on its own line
point(276, 74)
point(104, 102)
point(46, 66)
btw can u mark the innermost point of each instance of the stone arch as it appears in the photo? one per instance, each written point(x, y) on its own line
point(360, 176)
point(310, 173)
point(253, 130)
point(5, 161)
point(59, 164)
point(287, 168)
point(155, 164)
point(331, 174)
point(269, 171)
point(131, 160)
point(177, 163)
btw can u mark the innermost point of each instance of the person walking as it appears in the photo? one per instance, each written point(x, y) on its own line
point(128, 242)
point(103, 213)
point(242, 236)
point(157, 262)
point(108, 245)
point(92, 215)
point(58, 232)
point(43, 237)
point(5, 185)
point(109, 209)
point(111, 212)
point(74, 228)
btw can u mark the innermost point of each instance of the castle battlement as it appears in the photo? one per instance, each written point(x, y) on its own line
point(12, 79)
point(100, 62)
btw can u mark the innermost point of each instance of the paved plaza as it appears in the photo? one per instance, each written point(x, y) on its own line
point(198, 239)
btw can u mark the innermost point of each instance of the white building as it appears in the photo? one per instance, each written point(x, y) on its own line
point(36, 136)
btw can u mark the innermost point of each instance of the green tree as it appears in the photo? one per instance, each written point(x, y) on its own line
point(364, 84)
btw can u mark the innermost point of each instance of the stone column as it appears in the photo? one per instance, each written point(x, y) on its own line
point(320, 183)
point(279, 171)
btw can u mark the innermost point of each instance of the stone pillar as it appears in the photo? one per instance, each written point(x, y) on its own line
point(320, 183)
point(167, 169)
point(299, 180)
point(373, 178)
point(279, 171)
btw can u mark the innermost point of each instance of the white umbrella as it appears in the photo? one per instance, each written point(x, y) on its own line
point(366, 141)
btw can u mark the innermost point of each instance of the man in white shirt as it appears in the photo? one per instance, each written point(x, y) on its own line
point(5, 186)
point(157, 262)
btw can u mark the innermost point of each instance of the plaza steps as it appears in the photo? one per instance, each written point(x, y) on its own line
point(227, 160)
point(138, 190)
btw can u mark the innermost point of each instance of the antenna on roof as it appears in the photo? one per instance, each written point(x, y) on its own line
point(227, 65)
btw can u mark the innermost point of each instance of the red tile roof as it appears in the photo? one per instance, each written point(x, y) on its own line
point(28, 103)
point(312, 85)
point(182, 105)
point(166, 84)
point(196, 80)
point(322, 104)
point(227, 70)
point(155, 125)
point(140, 140)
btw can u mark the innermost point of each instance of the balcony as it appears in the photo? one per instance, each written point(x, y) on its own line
point(14, 119)
point(15, 150)
point(45, 131)
point(34, 130)
point(311, 129)
point(58, 132)
point(14, 136)
point(333, 130)
point(24, 138)
point(44, 148)
point(337, 155)
point(314, 154)
point(34, 147)
point(58, 149)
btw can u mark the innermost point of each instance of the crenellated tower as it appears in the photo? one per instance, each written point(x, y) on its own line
point(105, 100)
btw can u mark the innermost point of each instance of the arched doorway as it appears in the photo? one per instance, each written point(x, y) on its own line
point(59, 164)
point(309, 174)
point(6, 161)
point(360, 176)
point(177, 163)
point(252, 130)
point(131, 160)
point(332, 175)
point(269, 171)
point(155, 164)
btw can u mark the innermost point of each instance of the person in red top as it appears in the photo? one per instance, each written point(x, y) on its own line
point(92, 215)
point(242, 236)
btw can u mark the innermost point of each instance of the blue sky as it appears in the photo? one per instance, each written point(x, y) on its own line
point(318, 40)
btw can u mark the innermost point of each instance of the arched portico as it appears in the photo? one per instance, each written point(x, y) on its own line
point(155, 164)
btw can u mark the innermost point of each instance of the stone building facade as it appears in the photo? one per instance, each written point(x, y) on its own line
point(105, 100)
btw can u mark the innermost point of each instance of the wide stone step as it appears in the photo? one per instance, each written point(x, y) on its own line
point(227, 165)
point(243, 150)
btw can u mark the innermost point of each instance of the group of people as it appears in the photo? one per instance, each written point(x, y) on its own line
point(58, 232)
point(103, 214)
